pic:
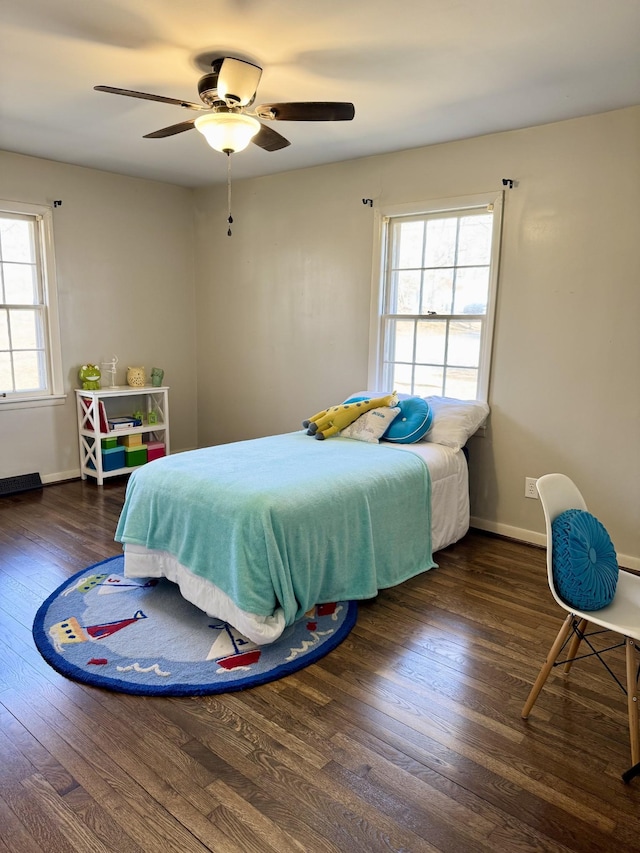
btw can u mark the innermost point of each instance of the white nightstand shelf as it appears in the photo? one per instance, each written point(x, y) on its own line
point(94, 409)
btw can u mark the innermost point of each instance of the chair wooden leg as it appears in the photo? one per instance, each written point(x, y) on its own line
point(574, 645)
point(563, 633)
point(632, 699)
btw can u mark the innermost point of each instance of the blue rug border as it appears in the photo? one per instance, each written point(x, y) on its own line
point(69, 670)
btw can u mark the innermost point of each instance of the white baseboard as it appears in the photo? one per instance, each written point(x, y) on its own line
point(534, 538)
point(61, 476)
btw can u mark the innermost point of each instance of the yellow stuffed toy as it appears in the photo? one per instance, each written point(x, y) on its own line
point(333, 420)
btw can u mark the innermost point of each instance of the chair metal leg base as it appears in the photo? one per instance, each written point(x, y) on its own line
point(632, 700)
point(629, 774)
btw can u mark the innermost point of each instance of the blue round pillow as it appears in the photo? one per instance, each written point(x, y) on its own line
point(584, 561)
point(413, 422)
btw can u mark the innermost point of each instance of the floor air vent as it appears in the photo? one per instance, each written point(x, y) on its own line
point(21, 483)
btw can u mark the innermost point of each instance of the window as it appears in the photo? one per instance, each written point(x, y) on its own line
point(434, 315)
point(30, 363)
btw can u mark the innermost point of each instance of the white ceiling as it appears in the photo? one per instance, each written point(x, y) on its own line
point(418, 71)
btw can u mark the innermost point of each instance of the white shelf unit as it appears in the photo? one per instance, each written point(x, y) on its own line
point(90, 434)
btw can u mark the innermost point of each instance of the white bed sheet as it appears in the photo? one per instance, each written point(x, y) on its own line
point(449, 523)
point(449, 490)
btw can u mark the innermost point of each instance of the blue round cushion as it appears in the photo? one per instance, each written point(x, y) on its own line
point(584, 561)
point(413, 422)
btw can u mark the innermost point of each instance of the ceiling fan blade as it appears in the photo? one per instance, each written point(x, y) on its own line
point(171, 130)
point(269, 140)
point(147, 97)
point(307, 111)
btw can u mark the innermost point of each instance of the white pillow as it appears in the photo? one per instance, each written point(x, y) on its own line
point(372, 424)
point(454, 421)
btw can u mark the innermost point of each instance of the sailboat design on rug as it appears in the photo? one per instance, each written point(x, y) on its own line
point(71, 631)
point(231, 650)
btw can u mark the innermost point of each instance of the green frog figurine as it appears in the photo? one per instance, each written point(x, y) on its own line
point(89, 376)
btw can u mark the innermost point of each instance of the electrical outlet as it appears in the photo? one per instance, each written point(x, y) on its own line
point(530, 490)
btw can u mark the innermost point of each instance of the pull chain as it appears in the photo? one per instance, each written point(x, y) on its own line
point(229, 217)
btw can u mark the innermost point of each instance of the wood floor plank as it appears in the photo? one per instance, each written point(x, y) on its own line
point(38, 757)
point(99, 822)
point(57, 812)
point(237, 810)
point(15, 836)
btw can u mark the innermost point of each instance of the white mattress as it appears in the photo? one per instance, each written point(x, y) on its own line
point(449, 523)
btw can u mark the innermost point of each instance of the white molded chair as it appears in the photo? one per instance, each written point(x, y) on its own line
point(557, 494)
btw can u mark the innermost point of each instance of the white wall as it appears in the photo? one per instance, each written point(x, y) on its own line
point(283, 306)
point(124, 253)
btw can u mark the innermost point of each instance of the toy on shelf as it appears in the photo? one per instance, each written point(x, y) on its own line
point(135, 377)
point(89, 376)
point(157, 375)
point(110, 368)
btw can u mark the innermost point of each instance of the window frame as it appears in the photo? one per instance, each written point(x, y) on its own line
point(53, 394)
point(494, 201)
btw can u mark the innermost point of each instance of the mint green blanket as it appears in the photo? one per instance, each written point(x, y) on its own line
point(286, 520)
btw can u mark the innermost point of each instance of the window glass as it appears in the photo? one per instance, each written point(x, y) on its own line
point(17, 239)
point(431, 341)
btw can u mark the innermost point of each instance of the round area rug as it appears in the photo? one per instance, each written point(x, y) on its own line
point(141, 636)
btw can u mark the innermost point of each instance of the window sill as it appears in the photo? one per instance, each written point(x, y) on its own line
point(34, 402)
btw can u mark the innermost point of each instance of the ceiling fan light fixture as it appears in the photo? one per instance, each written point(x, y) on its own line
point(238, 81)
point(227, 132)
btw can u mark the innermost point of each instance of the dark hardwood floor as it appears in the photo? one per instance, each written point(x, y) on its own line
point(406, 737)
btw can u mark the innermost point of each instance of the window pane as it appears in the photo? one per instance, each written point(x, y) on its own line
point(461, 383)
point(409, 237)
point(474, 240)
point(26, 329)
point(437, 291)
point(431, 341)
point(428, 381)
point(29, 371)
point(400, 340)
point(401, 378)
point(17, 240)
point(4, 329)
point(408, 293)
point(472, 291)
point(20, 284)
point(441, 243)
point(464, 343)
point(6, 382)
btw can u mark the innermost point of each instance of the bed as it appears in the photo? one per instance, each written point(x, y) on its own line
point(259, 532)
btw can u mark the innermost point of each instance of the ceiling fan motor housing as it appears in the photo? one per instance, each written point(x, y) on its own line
point(208, 88)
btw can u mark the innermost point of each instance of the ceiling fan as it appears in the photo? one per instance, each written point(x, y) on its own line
point(226, 93)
